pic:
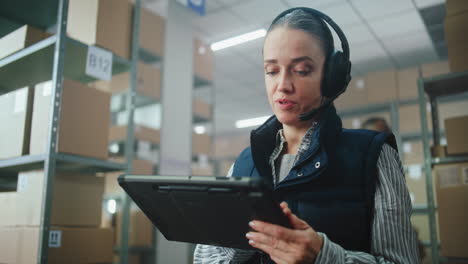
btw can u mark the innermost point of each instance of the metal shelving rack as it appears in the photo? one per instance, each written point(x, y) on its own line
point(47, 59)
point(436, 88)
point(133, 100)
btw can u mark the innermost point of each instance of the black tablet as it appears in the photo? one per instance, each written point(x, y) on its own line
point(204, 210)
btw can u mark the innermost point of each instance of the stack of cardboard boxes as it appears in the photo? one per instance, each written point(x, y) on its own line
point(456, 26)
point(75, 234)
point(203, 65)
point(140, 233)
point(451, 183)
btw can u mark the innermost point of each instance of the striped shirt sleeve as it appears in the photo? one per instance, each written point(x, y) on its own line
point(393, 237)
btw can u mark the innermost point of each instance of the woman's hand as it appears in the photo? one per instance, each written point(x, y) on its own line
point(301, 244)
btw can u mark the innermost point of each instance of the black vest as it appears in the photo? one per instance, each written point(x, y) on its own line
point(332, 186)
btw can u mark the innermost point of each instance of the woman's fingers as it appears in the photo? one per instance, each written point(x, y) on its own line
point(272, 230)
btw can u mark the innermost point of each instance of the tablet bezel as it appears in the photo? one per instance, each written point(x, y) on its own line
point(251, 196)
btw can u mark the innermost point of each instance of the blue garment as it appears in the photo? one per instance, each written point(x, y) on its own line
point(333, 183)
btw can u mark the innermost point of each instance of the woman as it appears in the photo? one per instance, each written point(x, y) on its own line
point(345, 193)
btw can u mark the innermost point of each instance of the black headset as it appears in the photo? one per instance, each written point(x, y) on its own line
point(337, 67)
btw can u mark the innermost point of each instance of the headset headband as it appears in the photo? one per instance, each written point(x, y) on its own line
point(327, 19)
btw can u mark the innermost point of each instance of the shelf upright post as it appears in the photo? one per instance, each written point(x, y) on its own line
point(51, 150)
point(130, 140)
point(435, 119)
point(428, 170)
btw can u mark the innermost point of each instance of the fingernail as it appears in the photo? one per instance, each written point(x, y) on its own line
point(251, 242)
point(251, 223)
point(248, 235)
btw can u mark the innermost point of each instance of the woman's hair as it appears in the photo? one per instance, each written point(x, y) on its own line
point(309, 23)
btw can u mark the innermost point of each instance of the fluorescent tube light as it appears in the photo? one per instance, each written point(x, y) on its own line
point(238, 39)
point(251, 122)
point(200, 129)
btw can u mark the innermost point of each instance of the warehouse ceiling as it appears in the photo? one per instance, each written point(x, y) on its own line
point(382, 34)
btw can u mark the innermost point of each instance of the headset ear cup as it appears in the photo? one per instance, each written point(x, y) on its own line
point(337, 75)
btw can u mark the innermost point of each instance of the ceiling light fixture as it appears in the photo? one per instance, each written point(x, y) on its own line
point(200, 129)
point(260, 33)
point(251, 122)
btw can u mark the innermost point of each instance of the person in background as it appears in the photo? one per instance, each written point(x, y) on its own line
point(377, 124)
point(344, 190)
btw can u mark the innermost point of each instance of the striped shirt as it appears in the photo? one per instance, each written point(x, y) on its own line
point(393, 237)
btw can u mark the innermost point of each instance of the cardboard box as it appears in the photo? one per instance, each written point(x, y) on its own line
point(452, 198)
point(84, 120)
point(82, 245)
point(407, 82)
point(142, 133)
point(16, 112)
point(416, 182)
point(381, 86)
point(19, 245)
point(140, 229)
point(142, 167)
point(231, 146)
point(152, 32)
point(19, 39)
point(68, 245)
point(112, 187)
point(439, 151)
point(104, 23)
point(77, 200)
point(410, 119)
point(355, 95)
point(225, 166)
point(454, 7)
point(148, 82)
point(203, 60)
point(202, 109)
point(413, 152)
point(132, 259)
point(202, 169)
point(451, 110)
point(421, 224)
point(456, 27)
point(456, 131)
point(434, 69)
point(201, 144)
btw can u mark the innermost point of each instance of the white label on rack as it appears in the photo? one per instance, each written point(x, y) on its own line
point(20, 100)
point(448, 177)
point(443, 141)
point(46, 88)
point(55, 238)
point(22, 183)
point(465, 175)
point(407, 147)
point(415, 172)
point(99, 63)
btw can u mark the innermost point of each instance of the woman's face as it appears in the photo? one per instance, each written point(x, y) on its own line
point(293, 64)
